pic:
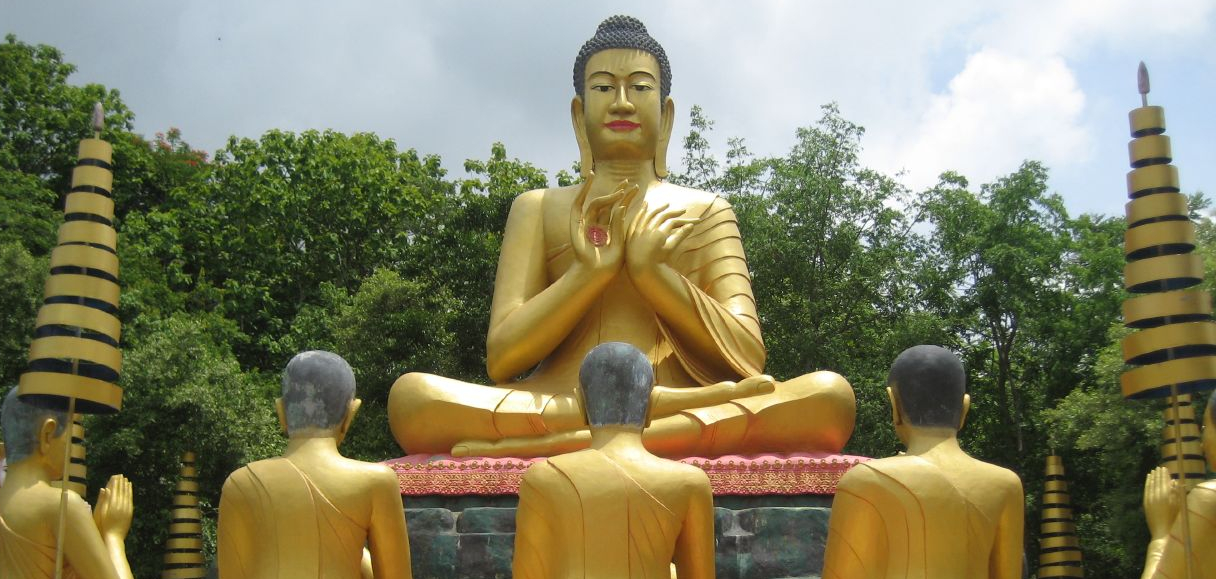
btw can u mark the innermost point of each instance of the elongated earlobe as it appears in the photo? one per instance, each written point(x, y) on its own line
point(660, 150)
point(586, 164)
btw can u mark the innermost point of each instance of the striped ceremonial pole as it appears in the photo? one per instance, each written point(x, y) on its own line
point(74, 361)
point(184, 550)
point(77, 479)
point(1174, 343)
point(1180, 414)
point(1059, 551)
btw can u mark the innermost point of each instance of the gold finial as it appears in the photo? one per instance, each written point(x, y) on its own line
point(1142, 83)
point(99, 119)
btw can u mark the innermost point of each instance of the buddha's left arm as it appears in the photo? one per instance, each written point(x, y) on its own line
point(702, 293)
point(387, 539)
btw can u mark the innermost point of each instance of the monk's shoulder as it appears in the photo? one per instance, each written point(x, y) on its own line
point(692, 199)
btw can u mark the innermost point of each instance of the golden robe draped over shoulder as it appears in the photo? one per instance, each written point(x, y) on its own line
point(874, 505)
point(587, 518)
point(21, 557)
point(300, 534)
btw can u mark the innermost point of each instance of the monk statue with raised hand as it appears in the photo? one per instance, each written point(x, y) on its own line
point(1166, 554)
point(93, 540)
point(933, 512)
point(614, 511)
point(309, 513)
point(623, 256)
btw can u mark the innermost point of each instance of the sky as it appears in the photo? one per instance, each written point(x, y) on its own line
point(950, 85)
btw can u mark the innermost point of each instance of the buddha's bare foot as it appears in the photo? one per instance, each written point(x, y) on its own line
point(544, 445)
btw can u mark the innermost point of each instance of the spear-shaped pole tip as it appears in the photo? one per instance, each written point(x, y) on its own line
point(99, 117)
point(1142, 83)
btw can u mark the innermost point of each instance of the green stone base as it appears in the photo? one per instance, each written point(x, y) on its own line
point(757, 537)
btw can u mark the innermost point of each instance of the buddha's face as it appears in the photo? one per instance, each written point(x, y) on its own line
point(622, 107)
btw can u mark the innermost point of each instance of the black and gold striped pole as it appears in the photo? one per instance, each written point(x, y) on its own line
point(77, 479)
point(1059, 551)
point(74, 359)
point(184, 549)
point(1174, 345)
point(1180, 414)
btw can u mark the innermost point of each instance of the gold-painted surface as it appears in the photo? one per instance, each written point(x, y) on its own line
point(1166, 554)
point(1149, 148)
point(1146, 121)
point(81, 202)
point(1162, 233)
point(1156, 206)
point(92, 176)
point(85, 256)
point(80, 316)
point(1166, 304)
point(1183, 268)
point(1181, 413)
point(66, 347)
point(87, 232)
point(77, 470)
point(1153, 178)
point(670, 278)
point(1160, 339)
point(1059, 550)
point(931, 512)
point(96, 149)
point(613, 510)
point(312, 501)
point(1145, 380)
point(85, 286)
point(68, 385)
point(93, 539)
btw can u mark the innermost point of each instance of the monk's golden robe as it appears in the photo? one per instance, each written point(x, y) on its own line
point(1201, 506)
point(634, 534)
point(716, 280)
point(933, 532)
point(291, 542)
point(21, 557)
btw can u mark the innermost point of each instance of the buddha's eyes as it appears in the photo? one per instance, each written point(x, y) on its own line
point(642, 87)
point(602, 88)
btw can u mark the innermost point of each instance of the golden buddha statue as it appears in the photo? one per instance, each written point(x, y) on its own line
point(934, 512)
point(1166, 555)
point(624, 256)
point(614, 511)
point(94, 540)
point(310, 512)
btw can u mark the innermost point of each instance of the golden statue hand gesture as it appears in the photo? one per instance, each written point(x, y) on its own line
point(597, 227)
point(114, 508)
point(1161, 502)
point(654, 235)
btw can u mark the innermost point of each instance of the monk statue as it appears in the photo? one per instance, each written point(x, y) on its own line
point(1166, 555)
point(614, 511)
point(624, 256)
point(93, 540)
point(309, 513)
point(933, 512)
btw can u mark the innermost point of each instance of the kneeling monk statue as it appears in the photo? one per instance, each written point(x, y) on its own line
point(624, 256)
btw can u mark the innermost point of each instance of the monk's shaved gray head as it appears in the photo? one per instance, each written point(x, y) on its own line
point(929, 382)
point(21, 421)
point(616, 379)
point(317, 389)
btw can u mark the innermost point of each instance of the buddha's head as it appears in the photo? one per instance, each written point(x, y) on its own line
point(32, 430)
point(318, 396)
point(615, 381)
point(622, 110)
point(928, 389)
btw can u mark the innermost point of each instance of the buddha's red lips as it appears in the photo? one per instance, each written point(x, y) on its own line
point(622, 125)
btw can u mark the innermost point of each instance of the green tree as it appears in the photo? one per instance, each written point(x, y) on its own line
point(20, 296)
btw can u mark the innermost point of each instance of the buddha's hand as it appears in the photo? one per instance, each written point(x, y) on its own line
point(1161, 501)
point(597, 227)
point(654, 235)
point(114, 508)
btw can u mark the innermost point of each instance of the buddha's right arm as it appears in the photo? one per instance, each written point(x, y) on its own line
point(530, 317)
point(90, 554)
point(388, 541)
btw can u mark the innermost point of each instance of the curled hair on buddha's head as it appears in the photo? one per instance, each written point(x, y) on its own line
point(318, 387)
point(929, 382)
point(622, 32)
point(616, 379)
point(21, 421)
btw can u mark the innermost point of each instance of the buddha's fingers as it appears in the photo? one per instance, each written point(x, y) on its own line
point(525, 446)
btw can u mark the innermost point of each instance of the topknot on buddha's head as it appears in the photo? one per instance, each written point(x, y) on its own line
point(622, 32)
